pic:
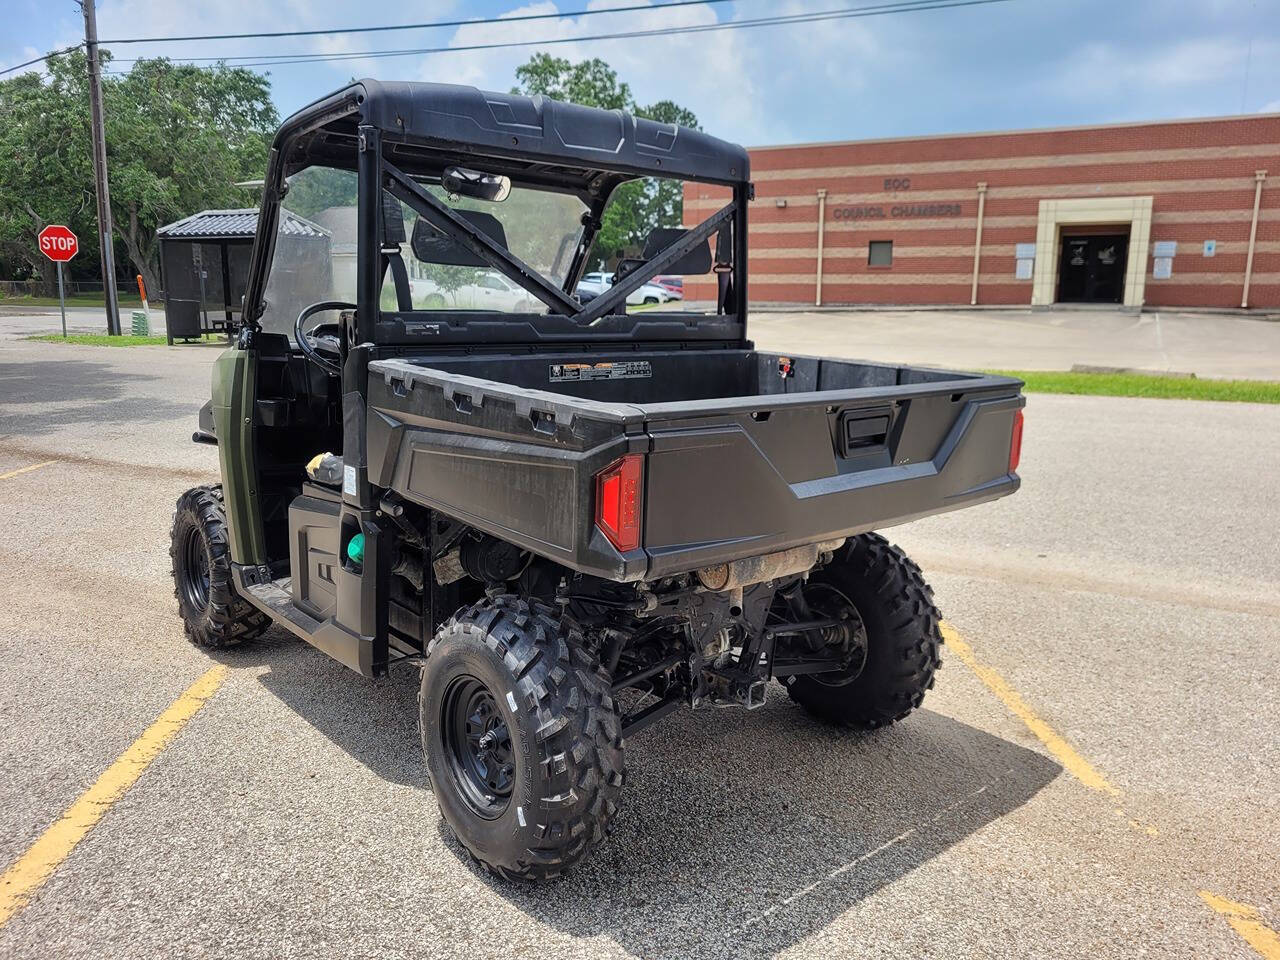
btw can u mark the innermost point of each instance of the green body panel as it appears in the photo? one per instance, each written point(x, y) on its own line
point(233, 394)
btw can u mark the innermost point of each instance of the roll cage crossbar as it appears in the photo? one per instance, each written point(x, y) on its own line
point(445, 220)
point(460, 231)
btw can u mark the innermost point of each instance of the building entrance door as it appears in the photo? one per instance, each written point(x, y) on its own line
point(1092, 268)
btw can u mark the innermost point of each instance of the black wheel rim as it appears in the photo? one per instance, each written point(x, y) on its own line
point(195, 571)
point(477, 746)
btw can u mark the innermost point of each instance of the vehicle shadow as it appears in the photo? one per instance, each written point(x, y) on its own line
point(374, 721)
point(34, 397)
point(740, 834)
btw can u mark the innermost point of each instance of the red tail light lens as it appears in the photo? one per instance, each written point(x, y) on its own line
point(619, 489)
point(1015, 443)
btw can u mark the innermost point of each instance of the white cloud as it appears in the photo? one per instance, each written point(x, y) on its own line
point(740, 83)
point(922, 72)
point(131, 18)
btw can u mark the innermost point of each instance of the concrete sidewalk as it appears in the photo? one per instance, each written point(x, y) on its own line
point(26, 321)
point(1218, 346)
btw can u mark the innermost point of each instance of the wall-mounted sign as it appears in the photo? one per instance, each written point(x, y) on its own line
point(899, 211)
point(1024, 269)
point(1025, 251)
point(1162, 269)
point(1210, 248)
point(1165, 248)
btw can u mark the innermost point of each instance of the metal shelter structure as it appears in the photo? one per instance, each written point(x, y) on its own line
point(204, 266)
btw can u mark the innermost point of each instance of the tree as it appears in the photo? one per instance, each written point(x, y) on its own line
point(638, 206)
point(178, 139)
point(47, 174)
point(448, 280)
point(320, 188)
point(592, 83)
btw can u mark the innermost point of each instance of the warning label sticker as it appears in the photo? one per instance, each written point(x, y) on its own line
point(617, 370)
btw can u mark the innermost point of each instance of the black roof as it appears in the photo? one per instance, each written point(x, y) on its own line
point(475, 122)
point(235, 225)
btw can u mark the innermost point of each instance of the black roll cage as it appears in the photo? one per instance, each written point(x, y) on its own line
point(385, 160)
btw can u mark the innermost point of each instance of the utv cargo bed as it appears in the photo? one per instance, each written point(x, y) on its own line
point(744, 453)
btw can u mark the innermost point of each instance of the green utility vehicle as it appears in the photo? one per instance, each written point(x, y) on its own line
point(574, 519)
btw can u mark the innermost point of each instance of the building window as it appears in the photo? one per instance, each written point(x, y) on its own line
point(880, 253)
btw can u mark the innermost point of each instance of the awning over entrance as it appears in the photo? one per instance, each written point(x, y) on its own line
point(1110, 236)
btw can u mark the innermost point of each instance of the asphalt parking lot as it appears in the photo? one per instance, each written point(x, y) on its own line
point(1097, 773)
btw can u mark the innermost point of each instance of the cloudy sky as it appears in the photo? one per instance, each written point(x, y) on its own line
point(1006, 65)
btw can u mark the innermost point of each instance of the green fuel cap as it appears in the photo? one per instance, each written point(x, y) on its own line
point(355, 549)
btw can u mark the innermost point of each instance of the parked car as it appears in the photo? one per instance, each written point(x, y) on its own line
point(489, 291)
point(673, 285)
point(594, 284)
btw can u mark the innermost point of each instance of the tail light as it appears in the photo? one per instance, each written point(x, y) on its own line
point(619, 490)
point(1015, 443)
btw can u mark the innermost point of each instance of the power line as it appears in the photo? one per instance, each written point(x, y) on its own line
point(903, 6)
point(341, 30)
point(414, 26)
point(51, 53)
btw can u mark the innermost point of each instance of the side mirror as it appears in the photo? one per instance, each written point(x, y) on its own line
point(474, 184)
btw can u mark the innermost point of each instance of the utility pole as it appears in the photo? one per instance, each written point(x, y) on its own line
point(100, 168)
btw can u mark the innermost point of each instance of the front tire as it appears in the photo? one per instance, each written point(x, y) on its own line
point(522, 741)
point(903, 638)
point(213, 615)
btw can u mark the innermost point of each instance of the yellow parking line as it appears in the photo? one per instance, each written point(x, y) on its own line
point(28, 874)
point(1247, 922)
point(1065, 754)
point(1244, 919)
point(34, 466)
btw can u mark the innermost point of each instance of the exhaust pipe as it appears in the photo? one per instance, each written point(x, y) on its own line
point(772, 566)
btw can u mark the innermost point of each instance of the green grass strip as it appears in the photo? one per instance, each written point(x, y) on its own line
point(102, 340)
point(1146, 385)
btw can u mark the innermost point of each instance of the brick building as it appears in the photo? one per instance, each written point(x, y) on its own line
point(1169, 214)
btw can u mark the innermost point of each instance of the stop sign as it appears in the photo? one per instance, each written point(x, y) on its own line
point(58, 243)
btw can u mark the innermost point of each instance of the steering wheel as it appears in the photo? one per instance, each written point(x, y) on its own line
point(305, 343)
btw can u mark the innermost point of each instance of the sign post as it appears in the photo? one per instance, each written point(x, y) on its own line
point(59, 244)
point(62, 301)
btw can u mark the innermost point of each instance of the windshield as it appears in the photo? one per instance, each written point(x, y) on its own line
point(541, 228)
point(316, 243)
point(315, 254)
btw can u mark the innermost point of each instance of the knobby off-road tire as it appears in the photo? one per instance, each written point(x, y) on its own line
point(213, 614)
point(904, 638)
point(544, 792)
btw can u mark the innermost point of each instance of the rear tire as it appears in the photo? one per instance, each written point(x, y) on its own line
point(213, 615)
point(904, 638)
point(522, 741)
